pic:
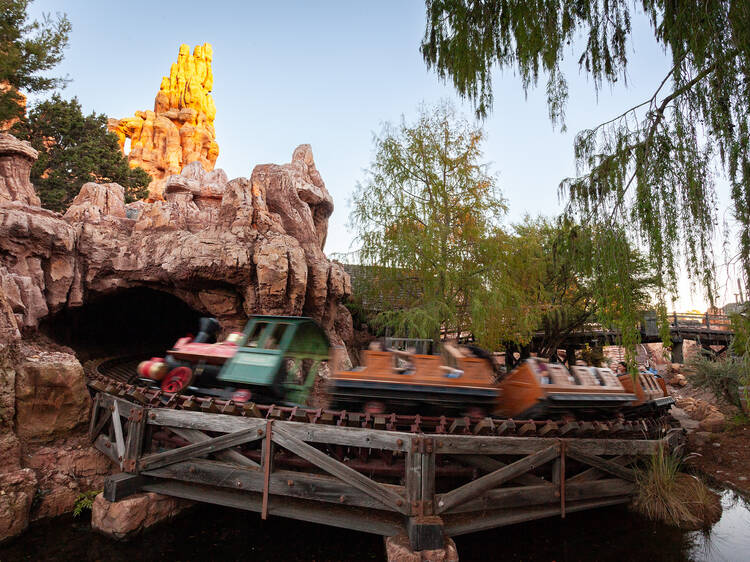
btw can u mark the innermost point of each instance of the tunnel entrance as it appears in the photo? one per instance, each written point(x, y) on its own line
point(132, 321)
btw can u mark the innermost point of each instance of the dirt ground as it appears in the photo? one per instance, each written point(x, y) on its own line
point(723, 457)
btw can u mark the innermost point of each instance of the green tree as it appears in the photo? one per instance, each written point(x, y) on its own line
point(650, 167)
point(74, 149)
point(426, 218)
point(27, 50)
point(547, 283)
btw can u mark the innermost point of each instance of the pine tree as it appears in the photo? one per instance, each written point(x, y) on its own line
point(75, 149)
point(27, 49)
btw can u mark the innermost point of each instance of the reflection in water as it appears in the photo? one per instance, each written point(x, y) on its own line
point(212, 533)
point(729, 539)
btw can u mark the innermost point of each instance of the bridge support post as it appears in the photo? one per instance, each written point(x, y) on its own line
point(398, 549)
point(677, 355)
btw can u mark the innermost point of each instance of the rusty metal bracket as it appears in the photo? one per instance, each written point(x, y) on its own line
point(267, 458)
point(136, 415)
point(422, 444)
point(422, 508)
point(129, 465)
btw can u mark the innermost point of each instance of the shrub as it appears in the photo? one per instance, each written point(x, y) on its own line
point(85, 501)
point(723, 377)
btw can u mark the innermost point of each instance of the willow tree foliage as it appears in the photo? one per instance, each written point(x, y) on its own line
point(27, 50)
point(426, 219)
point(651, 166)
point(547, 283)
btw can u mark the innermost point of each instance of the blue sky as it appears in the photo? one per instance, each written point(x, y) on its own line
point(329, 73)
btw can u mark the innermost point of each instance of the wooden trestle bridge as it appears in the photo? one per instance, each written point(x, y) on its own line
point(432, 479)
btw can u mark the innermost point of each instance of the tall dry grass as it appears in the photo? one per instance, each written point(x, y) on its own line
point(665, 493)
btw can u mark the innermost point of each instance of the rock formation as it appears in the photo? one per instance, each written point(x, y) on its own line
point(180, 129)
point(224, 248)
point(16, 159)
point(45, 461)
point(123, 519)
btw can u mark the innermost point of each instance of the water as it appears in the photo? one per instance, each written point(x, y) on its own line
point(214, 533)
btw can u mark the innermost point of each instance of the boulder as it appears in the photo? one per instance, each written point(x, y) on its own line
point(677, 380)
point(398, 549)
point(16, 159)
point(95, 201)
point(714, 422)
point(51, 395)
point(17, 490)
point(126, 518)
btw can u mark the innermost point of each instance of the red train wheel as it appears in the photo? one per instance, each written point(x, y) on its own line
point(242, 395)
point(374, 407)
point(177, 380)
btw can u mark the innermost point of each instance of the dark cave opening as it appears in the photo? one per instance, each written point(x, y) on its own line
point(131, 321)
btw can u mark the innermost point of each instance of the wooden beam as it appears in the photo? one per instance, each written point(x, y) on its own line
point(527, 496)
point(488, 481)
point(92, 420)
point(347, 436)
point(106, 447)
point(591, 474)
point(134, 443)
point(601, 464)
point(197, 449)
point(228, 455)
point(488, 464)
point(391, 500)
point(120, 486)
point(413, 477)
point(104, 416)
point(358, 519)
point(317, 487)
point(460, 524)
point(117, 425)
point(222, 423)
point(495, 445)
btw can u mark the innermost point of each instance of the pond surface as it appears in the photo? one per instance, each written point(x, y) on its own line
point(214, 533)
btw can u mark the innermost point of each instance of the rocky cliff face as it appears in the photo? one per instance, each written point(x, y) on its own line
point(226, 248)
point(180, 129)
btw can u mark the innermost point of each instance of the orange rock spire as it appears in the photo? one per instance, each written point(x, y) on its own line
point(180, 129)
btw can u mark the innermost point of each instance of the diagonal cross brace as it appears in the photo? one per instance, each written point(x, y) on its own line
point(340, 470)
point(601, 464)
point(213, 445)
point(476, 487)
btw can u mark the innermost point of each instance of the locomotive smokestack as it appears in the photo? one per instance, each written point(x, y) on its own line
point(209, 327)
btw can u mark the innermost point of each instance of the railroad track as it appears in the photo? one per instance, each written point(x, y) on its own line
point(117, 376)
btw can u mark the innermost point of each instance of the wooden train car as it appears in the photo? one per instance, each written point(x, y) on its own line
point(399, 381)
point(650, 392)
point(538, 389)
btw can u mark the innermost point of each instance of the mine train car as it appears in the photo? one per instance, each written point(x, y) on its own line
point(276, 359)
point(537, 389)
point(402, 381)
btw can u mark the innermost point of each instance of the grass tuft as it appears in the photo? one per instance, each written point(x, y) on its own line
point(667, 494)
